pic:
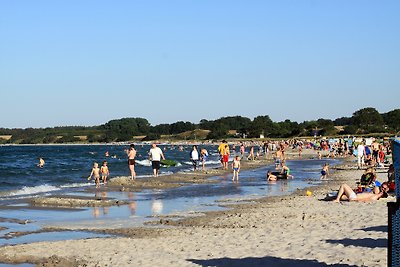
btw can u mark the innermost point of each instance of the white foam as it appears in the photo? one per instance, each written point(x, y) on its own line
point(26, 190)
point(74, 185)
point(209, 162)
point(34, 190)
point(144, 162)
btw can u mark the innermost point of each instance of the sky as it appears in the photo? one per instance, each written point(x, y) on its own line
point(83, 63)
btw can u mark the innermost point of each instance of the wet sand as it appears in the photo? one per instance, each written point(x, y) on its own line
point(294, 230)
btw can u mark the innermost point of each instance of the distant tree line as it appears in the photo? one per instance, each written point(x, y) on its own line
point(364, 121)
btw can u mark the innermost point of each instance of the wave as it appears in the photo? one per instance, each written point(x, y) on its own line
point(34, 190)
point(208, 162)
point(26, 190)
point(212, 162)
point(144, 162)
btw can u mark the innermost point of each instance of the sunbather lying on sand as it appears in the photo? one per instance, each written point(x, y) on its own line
point(346, 193)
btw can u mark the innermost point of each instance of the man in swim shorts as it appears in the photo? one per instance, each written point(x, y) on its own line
point(156, 154)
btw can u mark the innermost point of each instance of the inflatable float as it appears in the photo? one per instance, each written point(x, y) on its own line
point(168, 163)
point(280, 175)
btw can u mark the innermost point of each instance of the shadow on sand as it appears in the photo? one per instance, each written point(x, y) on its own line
point(383, 228)
point(263, 262)
point(363, 242)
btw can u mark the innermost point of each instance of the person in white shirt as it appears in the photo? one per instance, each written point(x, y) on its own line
point(156, 155)
point(360, 155)
point(194, 157)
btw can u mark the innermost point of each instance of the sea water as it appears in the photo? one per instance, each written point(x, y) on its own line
point(67, 168)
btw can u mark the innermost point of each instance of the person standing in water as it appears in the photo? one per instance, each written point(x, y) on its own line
point(104, 172)
point(194, 157)
point(131, 153)
point(156, 155)
point(236, 168)
point(241, 150)
point(278, 158)
point(96, 173)
point(203, 157)
point(324, 171)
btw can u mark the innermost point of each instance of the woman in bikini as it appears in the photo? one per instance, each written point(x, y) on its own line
point(131, 153)
point(346, 193)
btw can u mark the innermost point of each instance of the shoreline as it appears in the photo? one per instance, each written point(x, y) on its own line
point(278, 216)
point(168, 181)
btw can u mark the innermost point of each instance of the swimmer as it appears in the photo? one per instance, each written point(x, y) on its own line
point(41, 163)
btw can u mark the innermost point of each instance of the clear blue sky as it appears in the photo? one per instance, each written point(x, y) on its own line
point(86, 62)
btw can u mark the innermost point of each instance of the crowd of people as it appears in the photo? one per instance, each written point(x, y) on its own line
point(373, 155)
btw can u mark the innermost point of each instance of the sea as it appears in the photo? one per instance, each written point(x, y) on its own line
point(68, 166)
point(66, 170)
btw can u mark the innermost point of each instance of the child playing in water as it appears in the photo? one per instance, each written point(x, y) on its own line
point(104, 172)
point(286, 170)
point(324, 171)
point(96, 173)
point(271, 177)
point(236, 168)
point(203, 157)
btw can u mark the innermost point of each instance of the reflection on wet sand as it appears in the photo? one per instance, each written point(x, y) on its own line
point(132, 207)
point(284, 186)
point(96, 210)
point(157, 207)
point(132, 203)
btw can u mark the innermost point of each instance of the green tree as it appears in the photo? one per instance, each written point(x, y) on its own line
point(368, 119)
point(206, 125)
point(180, 127)
point(261, 125)
point(350, 129)
point(392, 119)
point(285, 129)
point(161, 129)
point(124, 129)
point(235, 122)
point(310, 128)
point(343, 121)
point(220, 131)
point(327, 126)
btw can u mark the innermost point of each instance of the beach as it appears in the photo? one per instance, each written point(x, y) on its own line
point(293, 230)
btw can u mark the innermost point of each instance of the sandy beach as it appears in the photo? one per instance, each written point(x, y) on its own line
point(294, 230)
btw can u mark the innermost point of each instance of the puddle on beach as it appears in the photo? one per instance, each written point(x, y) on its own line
point(190, 200)
point(17, 265)
point(51, 236)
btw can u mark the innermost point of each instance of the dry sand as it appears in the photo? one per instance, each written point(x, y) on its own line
point(294, 230)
